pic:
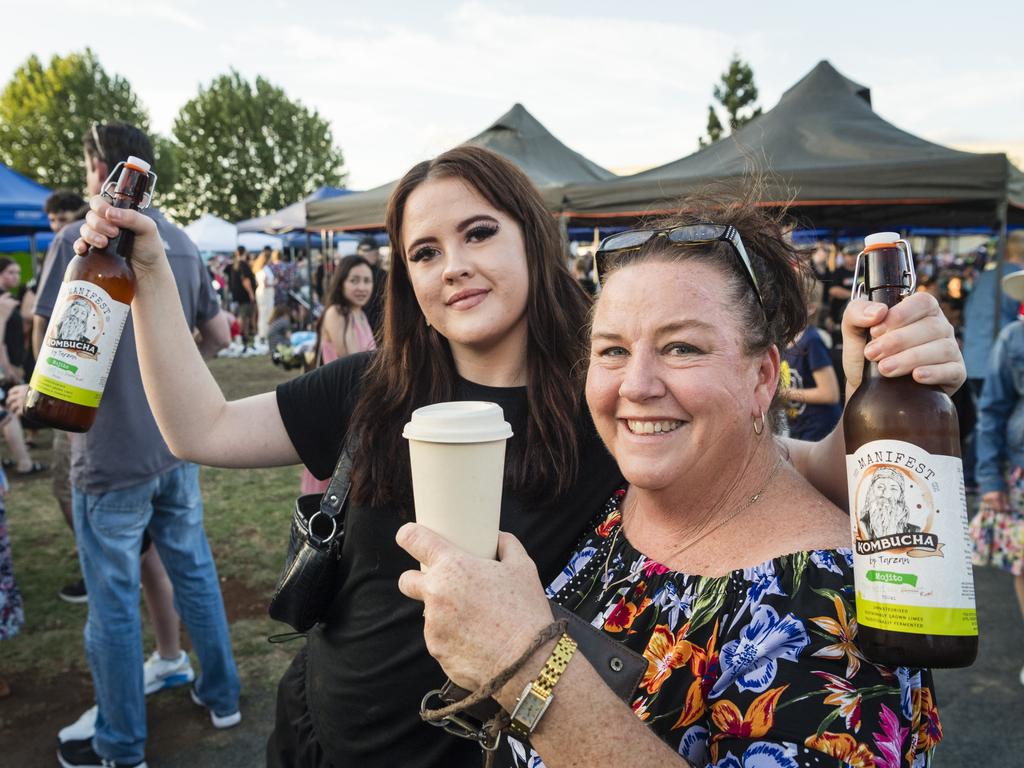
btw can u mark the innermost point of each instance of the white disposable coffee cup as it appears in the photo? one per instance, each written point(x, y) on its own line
point(457, 452)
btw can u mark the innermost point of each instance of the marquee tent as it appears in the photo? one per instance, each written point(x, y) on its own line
point(834, 160)
point(21, 204)
point(292, 217)
point(26, 243)
point(517, 135)
point(212, 234)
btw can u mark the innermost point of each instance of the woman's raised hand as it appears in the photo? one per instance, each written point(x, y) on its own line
point(104, 221)
point(913, 337)
point(479, 615)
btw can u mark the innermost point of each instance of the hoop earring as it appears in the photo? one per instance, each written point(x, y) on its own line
point(759, 431)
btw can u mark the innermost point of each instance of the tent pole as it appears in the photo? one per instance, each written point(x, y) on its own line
point(309, 277)
point(997, 314)
point(563, 230)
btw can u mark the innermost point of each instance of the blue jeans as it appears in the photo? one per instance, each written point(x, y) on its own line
point(109, 527)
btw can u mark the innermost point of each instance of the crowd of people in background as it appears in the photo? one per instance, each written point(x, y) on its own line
point(270, 295)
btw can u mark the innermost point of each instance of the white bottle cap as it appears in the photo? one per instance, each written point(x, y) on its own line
point(137, 163)
point(881, 238)
point(465, 421)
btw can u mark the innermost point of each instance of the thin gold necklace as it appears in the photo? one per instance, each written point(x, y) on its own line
point(702, 534)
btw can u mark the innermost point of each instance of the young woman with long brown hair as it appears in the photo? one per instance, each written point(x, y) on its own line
point(479, 306)
point(343, 328)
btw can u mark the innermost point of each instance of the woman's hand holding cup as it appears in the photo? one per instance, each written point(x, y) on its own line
point(479, 615)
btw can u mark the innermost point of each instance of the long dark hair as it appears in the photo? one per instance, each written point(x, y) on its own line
point(335, 295)
point(414, 366)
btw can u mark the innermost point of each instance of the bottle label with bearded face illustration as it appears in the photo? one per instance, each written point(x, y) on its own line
point(911, 549)
point(80, 343)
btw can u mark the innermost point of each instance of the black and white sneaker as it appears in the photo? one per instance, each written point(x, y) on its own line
point(80, 754)
point(74, 592)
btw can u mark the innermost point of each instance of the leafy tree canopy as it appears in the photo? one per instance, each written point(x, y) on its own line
point(45, 110)
point(245, 149)
point(736, 93)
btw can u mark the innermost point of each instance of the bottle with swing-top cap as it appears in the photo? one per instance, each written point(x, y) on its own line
point(89, 316)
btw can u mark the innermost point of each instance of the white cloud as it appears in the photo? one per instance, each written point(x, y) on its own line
point(405, 93)
point(627, 86)
point(166, 12)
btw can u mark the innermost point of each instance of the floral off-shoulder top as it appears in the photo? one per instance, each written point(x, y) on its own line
point(756, 668)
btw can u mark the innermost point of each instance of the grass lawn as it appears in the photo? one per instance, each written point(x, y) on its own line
point(247, 518)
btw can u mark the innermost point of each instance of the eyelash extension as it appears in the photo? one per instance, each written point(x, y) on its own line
point(483, 230)
point(420, 253)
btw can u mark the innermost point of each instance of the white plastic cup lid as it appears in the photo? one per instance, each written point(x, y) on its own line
point(463, 421)
point(881, 238)
point(136, 162)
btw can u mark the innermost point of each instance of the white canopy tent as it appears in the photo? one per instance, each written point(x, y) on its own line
point(256, 241)
point(213, 235)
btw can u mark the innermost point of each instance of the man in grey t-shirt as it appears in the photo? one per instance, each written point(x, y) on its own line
point(126, 482)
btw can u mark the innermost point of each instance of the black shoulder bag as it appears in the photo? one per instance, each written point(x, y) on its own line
point(310, 578)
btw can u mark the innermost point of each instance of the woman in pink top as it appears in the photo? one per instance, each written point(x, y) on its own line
point(344, 329)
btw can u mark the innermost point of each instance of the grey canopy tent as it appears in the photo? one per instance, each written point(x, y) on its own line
point(290, 218)
point(517, 135)
point(833, 160)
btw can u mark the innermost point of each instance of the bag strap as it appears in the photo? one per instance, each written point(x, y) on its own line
point(322, 530)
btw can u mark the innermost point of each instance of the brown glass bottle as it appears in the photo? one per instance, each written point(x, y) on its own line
point(88, 318)
point(907, 504)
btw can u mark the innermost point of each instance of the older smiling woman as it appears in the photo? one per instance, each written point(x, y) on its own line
point(718, 561)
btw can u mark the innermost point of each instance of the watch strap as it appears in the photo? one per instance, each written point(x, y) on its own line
point(537, 695)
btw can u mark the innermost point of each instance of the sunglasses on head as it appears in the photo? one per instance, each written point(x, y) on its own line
point(98, 144)
point(690, 234)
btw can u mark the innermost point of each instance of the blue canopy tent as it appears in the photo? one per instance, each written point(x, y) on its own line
point(21, 204)
point(24, 243)
point(22, 216)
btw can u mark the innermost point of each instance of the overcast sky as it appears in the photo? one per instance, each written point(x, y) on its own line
point(626, 84)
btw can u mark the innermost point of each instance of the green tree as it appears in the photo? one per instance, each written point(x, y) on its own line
point(45, 110)
point(166, 168)
point(736, 93)
point(714, 128)
point(246, 149)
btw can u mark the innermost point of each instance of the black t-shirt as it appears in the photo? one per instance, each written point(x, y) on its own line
point(368, 667)
point(840, 277)
point(375, 306)
point(14, 335)
point(238, 292)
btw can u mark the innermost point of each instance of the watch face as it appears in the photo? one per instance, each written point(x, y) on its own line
point(530, 709)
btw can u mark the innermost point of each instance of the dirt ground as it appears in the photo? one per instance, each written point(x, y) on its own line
point(180, 733)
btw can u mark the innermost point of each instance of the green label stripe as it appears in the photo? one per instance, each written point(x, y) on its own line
point(66, 392)
point(918, 620)
point(61, 364)
point(892, 577)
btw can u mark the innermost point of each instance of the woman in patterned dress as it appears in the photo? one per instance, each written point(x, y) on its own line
point(998, 528)
point(11, 613)
point(717, 561)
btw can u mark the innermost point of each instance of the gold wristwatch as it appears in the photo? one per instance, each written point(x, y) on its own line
point(536, 697)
